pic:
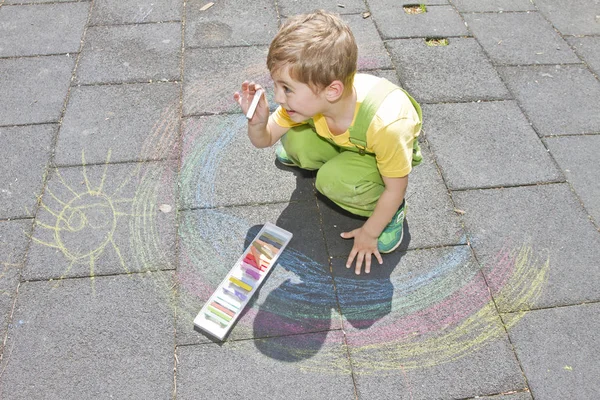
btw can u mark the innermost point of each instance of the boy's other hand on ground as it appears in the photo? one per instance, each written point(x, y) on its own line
point(244, 99)
point(365, 246)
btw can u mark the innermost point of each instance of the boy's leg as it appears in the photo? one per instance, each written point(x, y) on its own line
point(352, 181)
point(306, 149)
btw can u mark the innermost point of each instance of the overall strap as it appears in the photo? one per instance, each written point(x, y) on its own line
point(368, 109)
point(366, 112)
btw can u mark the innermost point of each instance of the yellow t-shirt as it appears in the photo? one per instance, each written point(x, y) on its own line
point(390, 135)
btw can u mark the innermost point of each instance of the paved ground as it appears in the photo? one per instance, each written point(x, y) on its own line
point(129, 188)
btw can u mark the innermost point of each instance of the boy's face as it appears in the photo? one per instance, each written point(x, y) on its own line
point(297, 98)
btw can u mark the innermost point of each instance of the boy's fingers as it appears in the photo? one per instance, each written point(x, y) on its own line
point(367, 264)
point(350, 258)
point(347, 235)
point(378, 256)
point(359, 261)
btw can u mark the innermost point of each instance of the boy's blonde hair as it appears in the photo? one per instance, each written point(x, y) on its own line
point(319, 48)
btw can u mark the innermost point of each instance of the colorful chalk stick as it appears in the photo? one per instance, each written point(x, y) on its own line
point(269, 241)
point(240, 284)
point(274, 237)
point(235, 293)
point(215, 318)
point(222, 308)
point(252, 272)
point(262, 249)
point(231, 303)
point(218, 313)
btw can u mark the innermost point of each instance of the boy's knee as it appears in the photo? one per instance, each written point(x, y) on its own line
point(327, 180)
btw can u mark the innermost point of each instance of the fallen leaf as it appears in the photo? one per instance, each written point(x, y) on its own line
point(366, 14)
point(165, 208)
point(461, 212)
point(341, 5)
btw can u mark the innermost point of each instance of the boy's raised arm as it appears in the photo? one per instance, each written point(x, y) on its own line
point(262, 129)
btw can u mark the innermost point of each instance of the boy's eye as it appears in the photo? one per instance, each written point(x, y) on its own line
point(287, 89)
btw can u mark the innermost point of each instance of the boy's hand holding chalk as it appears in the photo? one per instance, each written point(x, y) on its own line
point(248, 99)
point(254, 103)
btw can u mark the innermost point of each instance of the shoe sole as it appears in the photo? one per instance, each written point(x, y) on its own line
point(287, 164)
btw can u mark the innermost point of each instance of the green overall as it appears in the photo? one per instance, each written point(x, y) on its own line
point(346, 175)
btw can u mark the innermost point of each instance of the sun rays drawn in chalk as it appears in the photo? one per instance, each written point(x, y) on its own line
point(82, 220)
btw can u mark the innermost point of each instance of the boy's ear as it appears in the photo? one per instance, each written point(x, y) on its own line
point(334, 91)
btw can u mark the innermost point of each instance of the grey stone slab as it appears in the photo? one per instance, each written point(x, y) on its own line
point(14, 236)
point(312, 366)
point(520, 38)
point(413, 285)
point(372, 54)
point(42, 29)
point(220, 167)
point(130, 53)
point(487, 144)
point(388, 74)
point(105, 219)
point(481, 372)
point(24, 155)
point(459, 71)
point(526, 395)
point(129, 121)
point(427, 200)
point(298, 295)
point(13, 245)
point(572, 17)
point(293, 7)
point(427, 322)
point(558, 349)
point(211, 77)
point(101, 338)
point(6, 2)
point(493, 5)
point(34, 89)
point(578, 158)
point(228, 24)
point(106, 12)
point(540, 235)
point(559, 100)
point(439, 21)
point(588, 48)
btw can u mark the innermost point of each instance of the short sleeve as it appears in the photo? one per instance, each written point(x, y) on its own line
point(281, 118)
point(393, 147)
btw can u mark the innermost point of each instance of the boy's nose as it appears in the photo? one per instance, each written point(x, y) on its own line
point(279, 96)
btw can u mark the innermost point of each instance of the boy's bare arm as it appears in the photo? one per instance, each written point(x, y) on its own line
point(262, 129)
point(387, 205)
point(365, 237)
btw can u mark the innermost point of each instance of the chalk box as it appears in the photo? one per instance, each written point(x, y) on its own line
point(221, 311)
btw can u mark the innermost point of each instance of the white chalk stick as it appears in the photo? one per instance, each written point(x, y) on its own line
point(254, 104)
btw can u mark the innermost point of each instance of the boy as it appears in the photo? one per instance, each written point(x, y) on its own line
point(359, 131)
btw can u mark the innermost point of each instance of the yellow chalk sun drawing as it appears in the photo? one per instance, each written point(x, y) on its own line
point(91, 213)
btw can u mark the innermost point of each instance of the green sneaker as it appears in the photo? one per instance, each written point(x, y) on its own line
point(391, 237)
point(282, 156)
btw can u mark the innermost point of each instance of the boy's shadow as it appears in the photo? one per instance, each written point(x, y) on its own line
point(366, 298)
point(296, 315)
